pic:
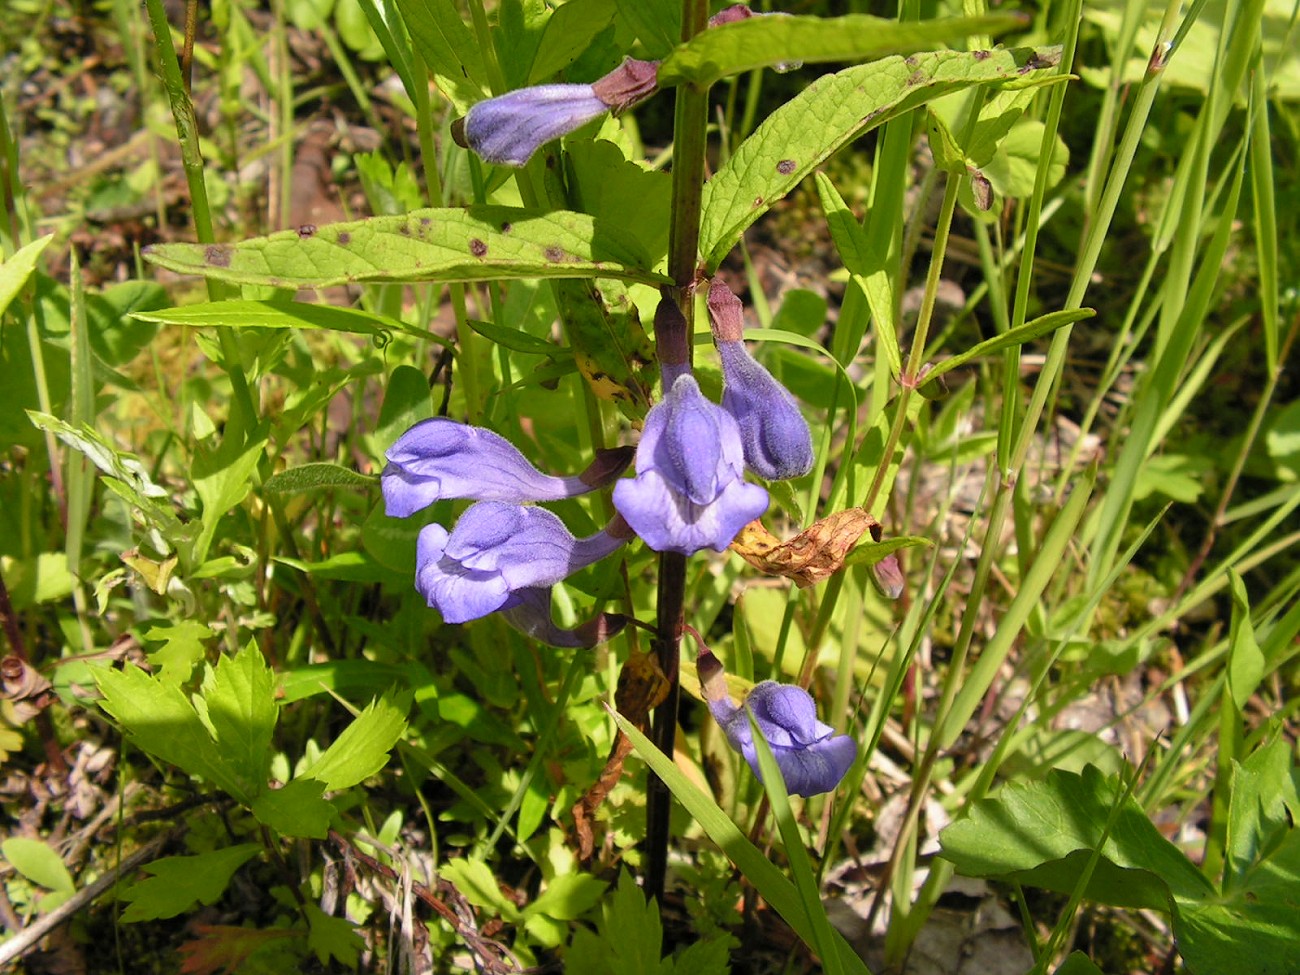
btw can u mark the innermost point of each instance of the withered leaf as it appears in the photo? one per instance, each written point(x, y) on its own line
point(811, 556)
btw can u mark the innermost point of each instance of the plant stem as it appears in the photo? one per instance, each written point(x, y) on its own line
point(689, 128)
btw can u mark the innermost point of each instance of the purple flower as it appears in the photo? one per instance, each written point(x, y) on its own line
point(689, 492)
point(812, 758)
point(508, 129)
point(495, 551)
point(441, 458)
point(778, 444)
point(531, 614)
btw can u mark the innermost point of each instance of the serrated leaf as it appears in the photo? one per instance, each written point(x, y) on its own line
point(834, 109)
point(333, 938)
point(318, 477)
point(37, 861)
point(362, 748)
point(1263, 808)
point(759, 42)
point(481, 243)
point(239, 697)
point(182, 648)
point(178, 883)
point(297, 809)
point(223, 948)
point(448, 47)
point(568, 897)
point(158, 719)
point(282, 314)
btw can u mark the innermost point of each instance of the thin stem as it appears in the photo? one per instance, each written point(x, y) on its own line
point(689, 133)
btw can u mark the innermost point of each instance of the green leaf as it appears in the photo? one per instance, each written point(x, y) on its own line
point(318, 477)
point(1263, 809)
point(332, 938)
point(182, 648)
point(869, 553)
point(38, 862)
point(1078, 964)
point(18, 270)
point(609, 344)
point(632, 930)
point(283, 314)
point(803, 133)
point(297, 809)
point(362, 749)
point(569, 31)
point(222, 479)
point(474, 879)
point(518, 341)
point(759, 42)
point(617, 190)
point(158, 719)
point(41, 579)
point(1042, 833)
point(471, 244)
point(178, 883)
point(1043, 325)
point(656, 23)
point(448, 47)
point(239, 700)
point(568, 897)
point(347, 566)
point(1246, 664)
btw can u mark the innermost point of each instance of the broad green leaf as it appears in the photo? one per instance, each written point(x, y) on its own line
point(448, 48)
point(333, 938)
point(222, 479)
point(158, 719)
point(656, 23)
point(318, 477)
point(617, 190)
point(406, 403)
point(759, 42)
point(569, 31)
point(1078, 964)
point(1264, 807)
point(1042, 833)
point(1043, 325)
point(834, 109)
point(869, 553)
point(766, 877)
point(362, 748)
point(182, 648)
point(1013, 168)
point(297, 809)
point(474, 879)
point(568, 897)
point(37, 861)
point(42, 578)
point(179, 883)
point(18, 270)
point(458, 244)
point(282, 314)
point(239, 699)
point(115, 333)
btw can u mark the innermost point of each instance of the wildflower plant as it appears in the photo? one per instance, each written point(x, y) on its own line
point(542, 419)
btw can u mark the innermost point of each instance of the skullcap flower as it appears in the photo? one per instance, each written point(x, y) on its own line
point(441, 458)
point(495, 551)
point(812, 758)
point(689, 492)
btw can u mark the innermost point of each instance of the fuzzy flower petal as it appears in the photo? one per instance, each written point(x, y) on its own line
point(508, 129)
point(812, 758)
point(689, 492)
point(440, 458)
point(778, 444)
point(496, 550)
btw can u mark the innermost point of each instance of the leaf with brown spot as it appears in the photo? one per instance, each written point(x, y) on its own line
point(814, 554)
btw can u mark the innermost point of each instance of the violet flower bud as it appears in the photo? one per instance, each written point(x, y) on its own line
point(689, 492)
point(508, 129)
point(495, 551)
point(531, 615)
point(812, 758)
point(778, 444)
point(441, 458)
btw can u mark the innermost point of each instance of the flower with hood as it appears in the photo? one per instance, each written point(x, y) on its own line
point(812, 757)
point(689, 492)
point(497, 551)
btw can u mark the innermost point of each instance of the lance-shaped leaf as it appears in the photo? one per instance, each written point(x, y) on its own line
point(454, 244)
point(835, 108)
point(759, 42)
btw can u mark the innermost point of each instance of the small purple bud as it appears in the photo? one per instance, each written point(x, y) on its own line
point(689, 492)
point(778, 444)
point(508, 129)
point(441, 458)
point(531, 615)
point(812, 758)
point(496, 550)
